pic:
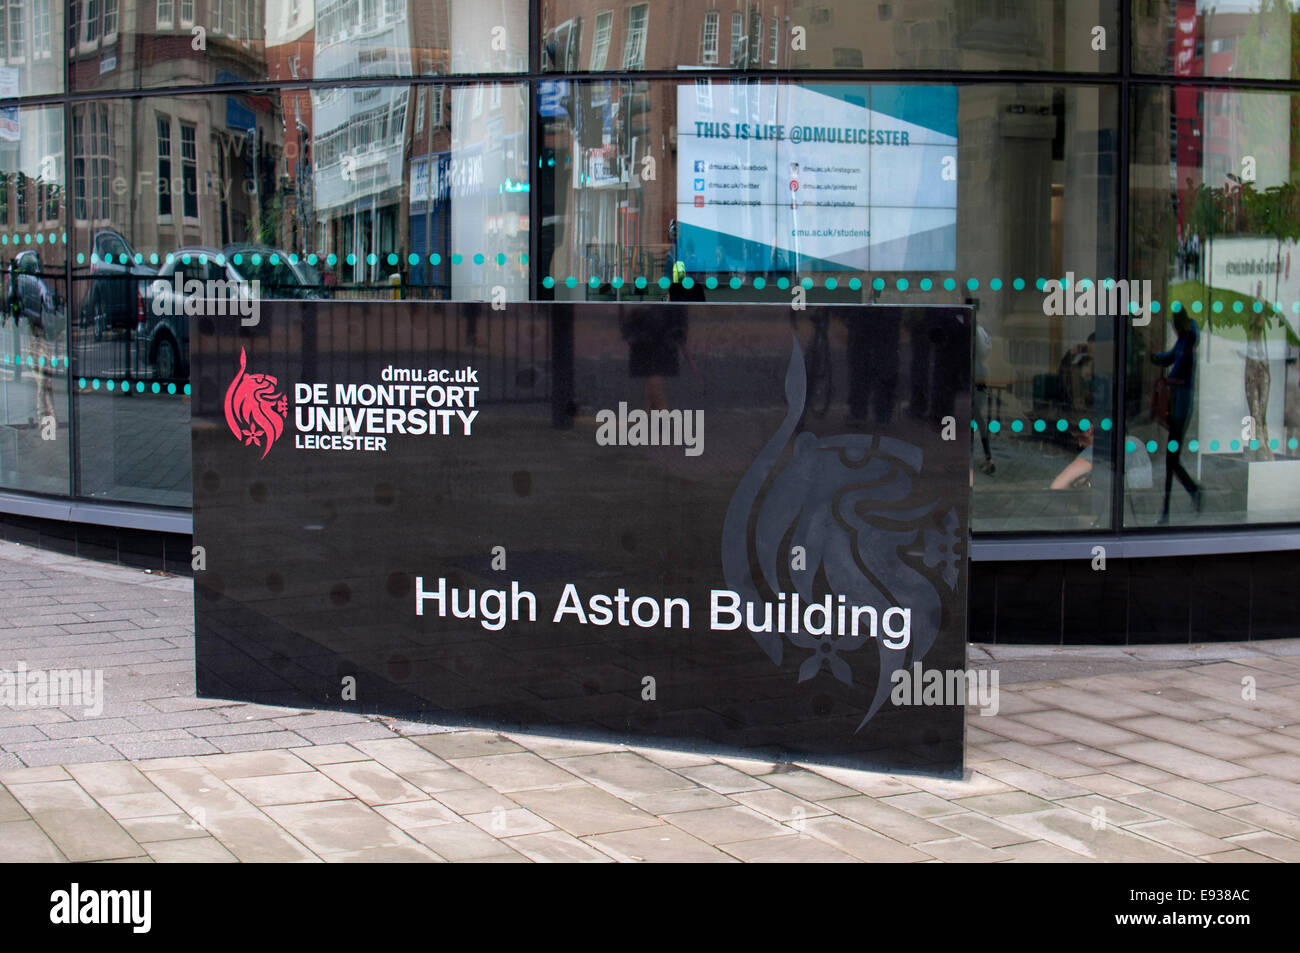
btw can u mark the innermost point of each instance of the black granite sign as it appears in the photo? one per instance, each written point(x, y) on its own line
point(727, 528)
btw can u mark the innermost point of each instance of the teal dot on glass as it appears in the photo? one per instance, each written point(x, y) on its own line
point(973, 284)
point(274, 259)
point(996, 284)
point(1173, 446)
point(501, 258)
point(81, 382)
point(94, 385)
point(1217, 307)
point(457, 258)
point(187, 390)
point(1130, 446)
point(27, 239)
point(1238, 307)
point(293, 258)
point(5, 241)
point(332, 259)
point(435, 259)
point(1105, 423)
point(478, 258)
point(171, 388)
point(926, 284)
point(1062, 425)
point(111, 384)
point(1272, 444)
point(1017, 425)
point(1152, 446)
point(617, 281)
point(351, 259)
point(155, 388)
point(1235, 445)
point(40, 238)
point(878, 284)
point(1257, 307)
point(1254, 444)
point(412, 259)
point(153, 259)
point(1155, 307)
point(1040, 283)
point(593, 282)
point(807, 284)
point(735, 284)
point(974, 426)
point(1040, 425)
point(548, 282)
point(1176, 307)
point(523, 259)
point(664, 282)
point(901, 284)
point(1293, 443)
point(688, 282)
point(1018, 284)
point(761, 283)
point(312, 259)
point(854, 283)
point(1085, 424)
point(372, 259)
point(81, 258)
point(783, 283)
point(139, 387)
point(569, 282)
point(709, 282)
point(392, 259)
point(1214, 445)
point(994, 426)
point(1193, 445)
point(640, 282)
point(831, 284)
point(949, 284)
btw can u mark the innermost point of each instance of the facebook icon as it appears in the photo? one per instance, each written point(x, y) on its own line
point(699, 165)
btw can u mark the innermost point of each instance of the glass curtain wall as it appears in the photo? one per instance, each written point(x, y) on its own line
point(1126, 233)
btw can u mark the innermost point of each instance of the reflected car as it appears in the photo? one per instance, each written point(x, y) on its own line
point(286, 278)
point(28, 295)
point(166, 327)
point(111, 303)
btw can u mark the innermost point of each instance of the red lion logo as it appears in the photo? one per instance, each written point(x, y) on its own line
point(254, 408)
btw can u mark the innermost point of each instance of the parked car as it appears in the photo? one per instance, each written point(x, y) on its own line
point(30, 296)
point(114, 295)
point(285, 278)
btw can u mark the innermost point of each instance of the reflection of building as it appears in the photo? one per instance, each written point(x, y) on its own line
point(182, 171)
point(358, 134)
point(290, 42)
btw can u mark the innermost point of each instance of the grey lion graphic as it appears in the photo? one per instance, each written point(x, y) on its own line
point(852, 503)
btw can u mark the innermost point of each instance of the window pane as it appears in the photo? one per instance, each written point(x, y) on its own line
point(1247, 39)
point(148, 44)
point(1078, 36)
point(34, 347)
point(892, 193)
point(1214, 228)
point(330, 193)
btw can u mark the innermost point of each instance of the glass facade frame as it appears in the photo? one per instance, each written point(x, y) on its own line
point(1145, 74)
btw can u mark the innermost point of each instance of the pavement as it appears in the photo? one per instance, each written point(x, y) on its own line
point(1160, 753)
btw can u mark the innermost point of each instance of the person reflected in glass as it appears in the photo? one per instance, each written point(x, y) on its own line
point(1181, 361)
